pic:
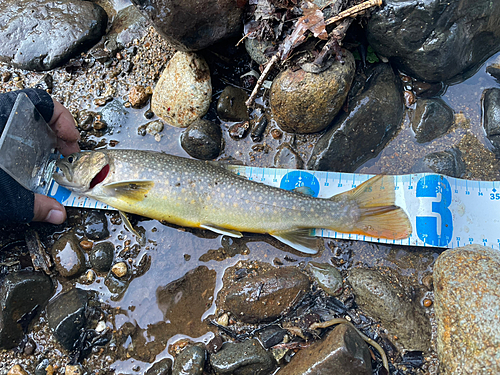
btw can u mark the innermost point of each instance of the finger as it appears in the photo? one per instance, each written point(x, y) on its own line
point(63, 124)
point(48, 210)
point(67, 148)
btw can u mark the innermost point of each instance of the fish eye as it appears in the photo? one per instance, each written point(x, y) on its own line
point(71, 159)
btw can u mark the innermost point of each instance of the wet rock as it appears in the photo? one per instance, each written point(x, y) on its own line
point(466, 300)
point(435, 41)
point(163, 367)
point(494, 70)
point(266, 296)
point(231, 104)
point(449, 162)
point(191, 25)
point(68, 256)
point(375, 114)
point(96, 225)
point(41, 368)
point(242, 358)
point(256, 49)
point(386, 300)
point(102, 256)
point(271, 336)
point(428, 90)
point(17, 370)
point(114, 114)
point(286, 157)
point(128, 24)
point(138, 96)
point(184, 90)
point(20, 293)
point(327, 276)
point(119, 269)
point(491, 116)
point(239, 130)
point(40, 35)
point(343, 351)
point(190, 362)
point(202, 139)
point(66, 316)
point(304, 102)
point(431, 119)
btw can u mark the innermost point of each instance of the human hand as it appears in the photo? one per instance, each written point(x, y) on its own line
point(62, 123)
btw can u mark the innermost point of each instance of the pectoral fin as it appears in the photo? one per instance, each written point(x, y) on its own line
point(300, 240)
point(130, 191)
point(223, 231)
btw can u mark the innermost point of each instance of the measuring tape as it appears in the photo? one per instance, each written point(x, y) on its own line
point(444, 211)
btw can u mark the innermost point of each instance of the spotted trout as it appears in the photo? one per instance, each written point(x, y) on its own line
point(201, 194)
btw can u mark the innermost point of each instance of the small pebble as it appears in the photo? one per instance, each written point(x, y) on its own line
point(6, 76)
point(427, 302)
point(17, 370)
point(101, 326)
point(73, 370)
point(90, 276)
point(86, 245)
point(119, 269)
point(138, 96)
point(409, 98)
point(223, 320)
point(99, 125)
point(276, 133)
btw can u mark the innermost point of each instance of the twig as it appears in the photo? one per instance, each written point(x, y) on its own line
point(368, 340)
point(354, 11)
point(261, 79)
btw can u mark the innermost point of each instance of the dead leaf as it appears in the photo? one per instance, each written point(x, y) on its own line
point(312, 21)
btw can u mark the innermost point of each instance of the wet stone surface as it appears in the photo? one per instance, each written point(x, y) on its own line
point(66, 316)
point(20, 293)
point(435, 42)
point(231, 104)
point(58, 30)
point(68, 256)
point(304, 102)
point(262, 295)
point(101, 256)
point(491, 110)
point(190, 362)
point(343, 351)
point(183, 92)
point(431, 119)
point(379, 107)
point(398, 310)
point(202, 139)
point(467, 296)
point(449, 162)
point(245, 358)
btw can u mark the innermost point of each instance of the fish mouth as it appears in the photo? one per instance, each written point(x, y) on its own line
point(63, 176)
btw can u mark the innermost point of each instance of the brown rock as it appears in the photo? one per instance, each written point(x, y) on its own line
point(304, 102)
point(343, 351)
point(17, 370)
point(266, 296)
point(138, 96)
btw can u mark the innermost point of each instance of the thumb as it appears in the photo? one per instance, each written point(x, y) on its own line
point(48, 210)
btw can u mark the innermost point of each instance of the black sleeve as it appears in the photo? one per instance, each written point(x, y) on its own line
point(16, 202)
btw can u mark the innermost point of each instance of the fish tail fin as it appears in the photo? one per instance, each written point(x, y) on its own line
point(379, 215)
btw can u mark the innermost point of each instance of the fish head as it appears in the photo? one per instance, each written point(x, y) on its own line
point(82, 171)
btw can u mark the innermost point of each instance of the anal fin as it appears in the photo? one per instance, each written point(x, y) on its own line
point(300, 240)
point(223, 231)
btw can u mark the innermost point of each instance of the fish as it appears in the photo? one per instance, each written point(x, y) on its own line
point(204, 194)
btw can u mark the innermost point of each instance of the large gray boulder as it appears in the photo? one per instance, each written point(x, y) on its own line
point(43, 34)
point(436, 40)
point(191, 25)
